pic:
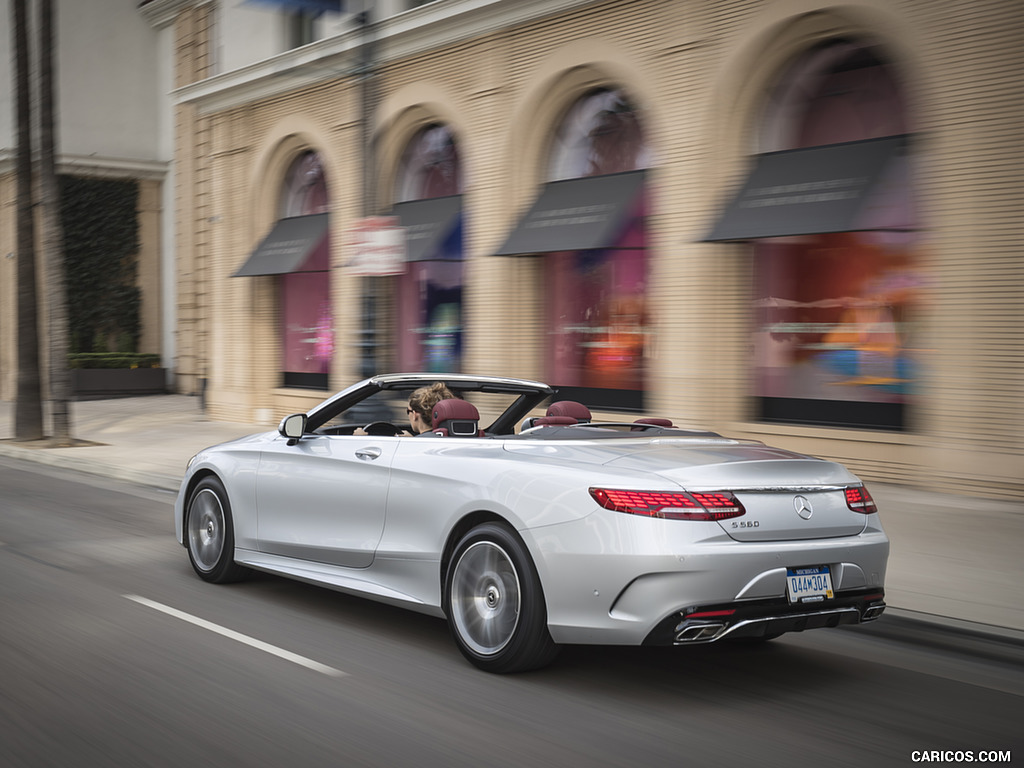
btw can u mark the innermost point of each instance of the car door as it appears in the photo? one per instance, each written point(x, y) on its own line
point(323, 498)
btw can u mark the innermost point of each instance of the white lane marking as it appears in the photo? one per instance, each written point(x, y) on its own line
point(239, 637)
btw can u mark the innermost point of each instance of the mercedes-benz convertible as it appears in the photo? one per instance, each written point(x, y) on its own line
point(528, 524)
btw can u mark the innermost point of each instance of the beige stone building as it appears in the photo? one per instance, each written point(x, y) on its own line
point(109, 131)
point(788, 220)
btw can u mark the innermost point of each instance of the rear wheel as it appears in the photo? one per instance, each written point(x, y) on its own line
point(210, 534)
point(495, 603)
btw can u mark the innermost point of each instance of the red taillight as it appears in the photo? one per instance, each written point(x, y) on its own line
point(709, 614)
point(671, 505)
point(859, 500)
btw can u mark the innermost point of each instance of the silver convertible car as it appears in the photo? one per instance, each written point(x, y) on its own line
point(530, 531)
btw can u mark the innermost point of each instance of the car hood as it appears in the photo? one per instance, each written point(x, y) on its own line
point(238, 442)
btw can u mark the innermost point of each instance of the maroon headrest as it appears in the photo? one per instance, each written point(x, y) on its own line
point(650, 422)
point(655, 422)
point(570, 408)
point(456, 417)
point(554, 421)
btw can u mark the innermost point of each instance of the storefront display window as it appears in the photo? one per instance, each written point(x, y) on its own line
point(597, 319)
point(597, 306)
point(429, 294)
point(307, 323)
point(833, 336)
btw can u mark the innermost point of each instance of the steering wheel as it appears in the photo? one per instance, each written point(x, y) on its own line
point(381, 428)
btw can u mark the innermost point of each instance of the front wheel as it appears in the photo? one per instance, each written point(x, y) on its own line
point(495, 604)
point(210, 534)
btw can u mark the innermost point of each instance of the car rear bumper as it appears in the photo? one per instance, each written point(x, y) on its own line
point(616, 580)
point(764, 619)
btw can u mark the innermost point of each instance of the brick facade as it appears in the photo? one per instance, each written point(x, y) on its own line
point(699, 72)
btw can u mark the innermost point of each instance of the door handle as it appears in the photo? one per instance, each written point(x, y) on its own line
point(368, 454)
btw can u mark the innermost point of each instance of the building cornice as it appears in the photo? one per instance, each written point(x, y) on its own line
point(96, 166)
point(112, 167)
point(406, 34)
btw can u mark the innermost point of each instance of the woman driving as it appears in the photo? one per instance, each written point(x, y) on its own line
point(421, 405)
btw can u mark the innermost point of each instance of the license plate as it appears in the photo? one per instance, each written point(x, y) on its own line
point(809, 585)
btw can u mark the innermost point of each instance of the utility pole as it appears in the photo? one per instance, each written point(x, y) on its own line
point(28, 409)
point(53, 234)
point(370, 304)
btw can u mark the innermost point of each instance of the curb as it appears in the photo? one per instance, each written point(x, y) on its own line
point(932, 629)
point(88, 467)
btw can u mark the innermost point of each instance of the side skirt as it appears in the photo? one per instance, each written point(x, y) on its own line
point(350, 581)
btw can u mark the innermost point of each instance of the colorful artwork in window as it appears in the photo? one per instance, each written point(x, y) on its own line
point(430, 311)
point(597, 314)
point(834, 318)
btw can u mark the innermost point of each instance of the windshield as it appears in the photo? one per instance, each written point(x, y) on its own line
point(390, 406)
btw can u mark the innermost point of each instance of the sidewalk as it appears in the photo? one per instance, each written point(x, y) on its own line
point(953, 559)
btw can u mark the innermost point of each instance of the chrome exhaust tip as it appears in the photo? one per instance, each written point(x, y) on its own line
point(872, 612)
point(695, 633)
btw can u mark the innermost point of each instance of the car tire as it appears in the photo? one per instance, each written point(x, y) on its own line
point(210, 534)
point(495, 604)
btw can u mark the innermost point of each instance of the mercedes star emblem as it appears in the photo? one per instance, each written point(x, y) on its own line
point(803, 507)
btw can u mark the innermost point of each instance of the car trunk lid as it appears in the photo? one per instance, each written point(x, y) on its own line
point(794, 514)
point(787, 496)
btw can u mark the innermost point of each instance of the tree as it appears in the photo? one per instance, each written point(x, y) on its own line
point(53, 235)
point(28, 410)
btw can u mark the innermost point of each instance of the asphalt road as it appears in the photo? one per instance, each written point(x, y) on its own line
point(112, 653)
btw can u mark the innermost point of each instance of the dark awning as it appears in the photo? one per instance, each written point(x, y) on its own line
point(576, 215)
point(428, 223)
point(808, 191)
point(287, 246)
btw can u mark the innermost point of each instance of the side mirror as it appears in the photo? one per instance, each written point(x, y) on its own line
point(293, 427)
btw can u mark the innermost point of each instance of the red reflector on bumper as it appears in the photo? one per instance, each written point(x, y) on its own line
point(709, 614)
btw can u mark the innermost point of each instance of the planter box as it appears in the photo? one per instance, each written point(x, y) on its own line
point(100, 383)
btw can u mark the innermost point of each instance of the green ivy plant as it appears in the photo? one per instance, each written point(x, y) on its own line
point(101, 245)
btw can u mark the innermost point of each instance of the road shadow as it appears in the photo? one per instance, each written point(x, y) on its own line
point(709, 673)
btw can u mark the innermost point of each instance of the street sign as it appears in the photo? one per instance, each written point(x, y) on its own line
point(375, 245)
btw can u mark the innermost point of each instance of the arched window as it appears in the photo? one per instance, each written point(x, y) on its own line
point(429, 294)
point(596, 304)
point(600, 134)
point(840, 91)
point(304, 191)
point(307, 323)
point(831, 337)
point(430, 166)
